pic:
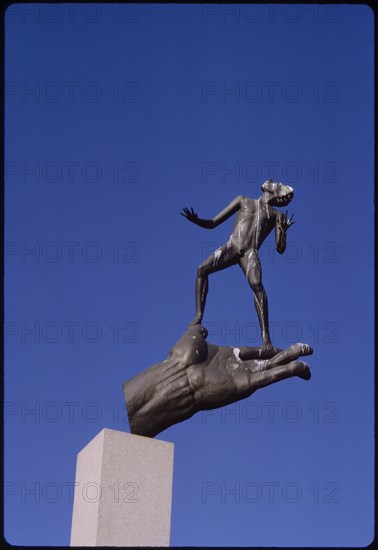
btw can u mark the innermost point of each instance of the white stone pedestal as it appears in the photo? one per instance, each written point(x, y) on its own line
point(123, 491)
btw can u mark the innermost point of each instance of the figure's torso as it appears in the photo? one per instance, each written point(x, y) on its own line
point(254, 222)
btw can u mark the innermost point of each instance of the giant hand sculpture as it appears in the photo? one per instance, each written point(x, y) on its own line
point(200, 376)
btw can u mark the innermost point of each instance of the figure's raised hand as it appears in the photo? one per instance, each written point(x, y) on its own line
point(287, 222)
point(189, 214)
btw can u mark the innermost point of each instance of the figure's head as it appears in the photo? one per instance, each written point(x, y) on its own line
point(281, 194)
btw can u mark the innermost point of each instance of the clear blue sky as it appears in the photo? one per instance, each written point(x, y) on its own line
point(116, 117)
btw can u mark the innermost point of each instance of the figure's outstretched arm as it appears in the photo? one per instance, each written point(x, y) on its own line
point(282, 225)
point(222, 216)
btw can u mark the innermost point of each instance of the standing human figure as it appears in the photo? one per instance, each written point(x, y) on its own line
point(255, 220)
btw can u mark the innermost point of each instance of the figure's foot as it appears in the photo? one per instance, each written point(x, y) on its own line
point(197, 329)
point(196, 321)
point(267, 347)
point(204, 331)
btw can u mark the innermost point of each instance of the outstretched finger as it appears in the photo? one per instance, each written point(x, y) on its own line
point(290, 354)
point(275, 374)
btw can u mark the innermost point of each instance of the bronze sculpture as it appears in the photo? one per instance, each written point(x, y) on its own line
point(198, 375)
point(255, 220)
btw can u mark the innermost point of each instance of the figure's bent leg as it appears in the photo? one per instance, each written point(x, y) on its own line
point(223, 257)
point(202, 288)
point(251, 266)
